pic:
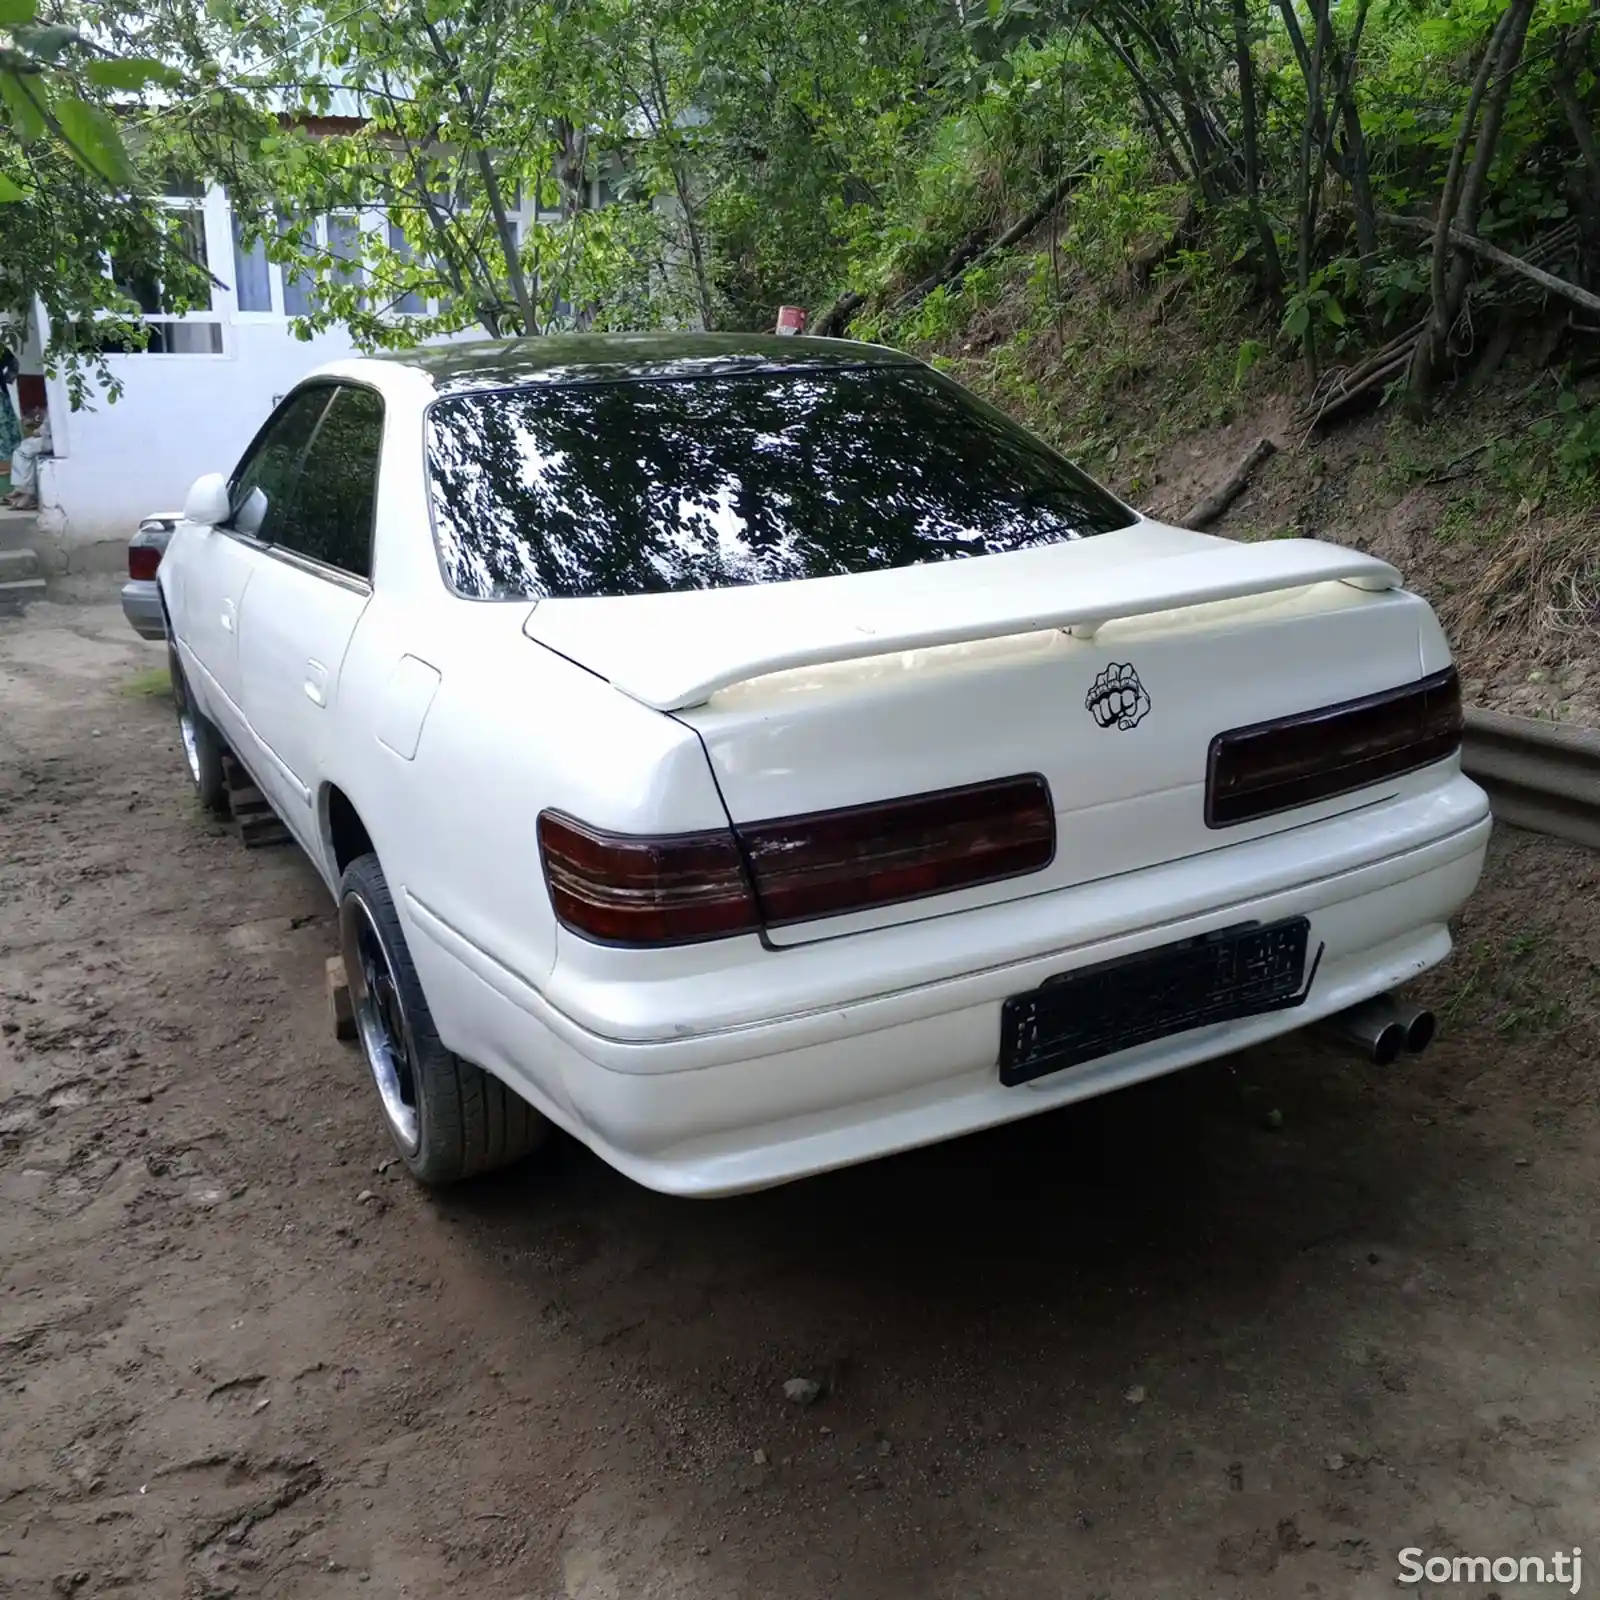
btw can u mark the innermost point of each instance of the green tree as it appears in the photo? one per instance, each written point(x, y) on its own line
point(466, 109)
point(78, 149)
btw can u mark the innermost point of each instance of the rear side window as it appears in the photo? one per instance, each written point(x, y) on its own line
point(648, 485)
point(263, 483)
point(330, 518)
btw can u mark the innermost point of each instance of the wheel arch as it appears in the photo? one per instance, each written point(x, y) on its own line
point(344, 831)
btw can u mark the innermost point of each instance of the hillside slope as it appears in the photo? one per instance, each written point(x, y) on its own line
point(1491, 509)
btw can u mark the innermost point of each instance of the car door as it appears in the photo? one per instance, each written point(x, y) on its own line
point(215, 565)
point(312, 583)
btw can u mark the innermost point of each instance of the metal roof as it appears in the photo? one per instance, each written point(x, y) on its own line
point(327, 99)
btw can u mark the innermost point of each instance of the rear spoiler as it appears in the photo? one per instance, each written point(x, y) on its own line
point(674, 651)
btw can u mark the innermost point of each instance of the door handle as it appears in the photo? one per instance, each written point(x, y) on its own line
point(316, 683)
point(227, 616)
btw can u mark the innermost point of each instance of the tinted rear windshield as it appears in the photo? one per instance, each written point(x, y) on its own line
point(661, 484)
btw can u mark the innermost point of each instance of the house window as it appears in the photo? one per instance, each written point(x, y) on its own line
point(338, 233)
point(409, 304)
point(344, 245)
point(252, 272)
point(298, 286)
point(176, 326)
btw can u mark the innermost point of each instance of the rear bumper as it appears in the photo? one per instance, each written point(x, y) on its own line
point(764, 1102)
point(141, 605)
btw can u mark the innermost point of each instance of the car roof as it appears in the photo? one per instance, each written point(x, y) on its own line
point(611, 357)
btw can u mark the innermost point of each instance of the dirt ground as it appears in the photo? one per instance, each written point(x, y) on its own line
point(1247, 1332)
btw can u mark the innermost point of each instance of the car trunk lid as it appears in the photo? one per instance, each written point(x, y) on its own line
point(1104, 665)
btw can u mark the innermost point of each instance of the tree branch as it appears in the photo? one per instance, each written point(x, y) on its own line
point(1462, 196)
point(1244, 60)
point(491, 184)
point(1214, 504)
point(1500, 258)
point(974, 252)
point(680, 183)
point(1575, 46)
point(836, 318)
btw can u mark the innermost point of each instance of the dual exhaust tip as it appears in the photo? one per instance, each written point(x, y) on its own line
point(1382, 1028)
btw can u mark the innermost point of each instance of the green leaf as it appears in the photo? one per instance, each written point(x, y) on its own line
point(26, 120)
point(1334, 312)
point(133, 73)
point(94, 139)
point(10, 190)
point(13, 12)
point(1297, 321)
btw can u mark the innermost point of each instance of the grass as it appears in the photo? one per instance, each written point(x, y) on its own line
point(1505, 988)
point(1470, 984)
point(155, 683)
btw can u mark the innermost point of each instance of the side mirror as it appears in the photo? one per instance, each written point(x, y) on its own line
point(207, 504)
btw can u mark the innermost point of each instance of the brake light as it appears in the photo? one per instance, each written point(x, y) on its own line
point(1296, 761)
point(624, 889)
point(873, 855)
point(143, 561)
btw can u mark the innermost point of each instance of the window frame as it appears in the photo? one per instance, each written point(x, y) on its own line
point(252, 449)
point(386, 230)
point(284, 553)
point(216, 233)
point(376, 223)
point(354, 273)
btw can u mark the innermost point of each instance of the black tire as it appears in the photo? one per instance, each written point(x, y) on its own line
point(202, 746)
point(449, 1119)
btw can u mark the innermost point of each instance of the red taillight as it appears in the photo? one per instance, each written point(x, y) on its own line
point(627, 890)
point(682, 887)
point(143, 560)
point(1316, 755)
point(873, 855)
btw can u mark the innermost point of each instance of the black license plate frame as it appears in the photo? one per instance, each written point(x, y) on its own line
point(1080, 1016)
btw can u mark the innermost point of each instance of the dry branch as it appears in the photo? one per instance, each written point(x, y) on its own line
point(1231, 487)
point(974, 252)
point(1500, 258)
point(837, 317)
point(954, 265)
point(1341, 387)
point(1401, 343)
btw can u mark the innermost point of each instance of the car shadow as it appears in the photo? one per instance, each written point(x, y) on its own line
point(1090, 1241)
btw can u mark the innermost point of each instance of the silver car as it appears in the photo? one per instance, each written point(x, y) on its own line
point(141, 599)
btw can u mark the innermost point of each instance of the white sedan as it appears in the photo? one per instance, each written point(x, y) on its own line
point(755, 756)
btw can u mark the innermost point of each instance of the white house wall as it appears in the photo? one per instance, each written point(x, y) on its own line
point(179, 415)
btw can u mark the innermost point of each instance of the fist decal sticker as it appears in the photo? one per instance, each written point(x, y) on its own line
point(1116, 699)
